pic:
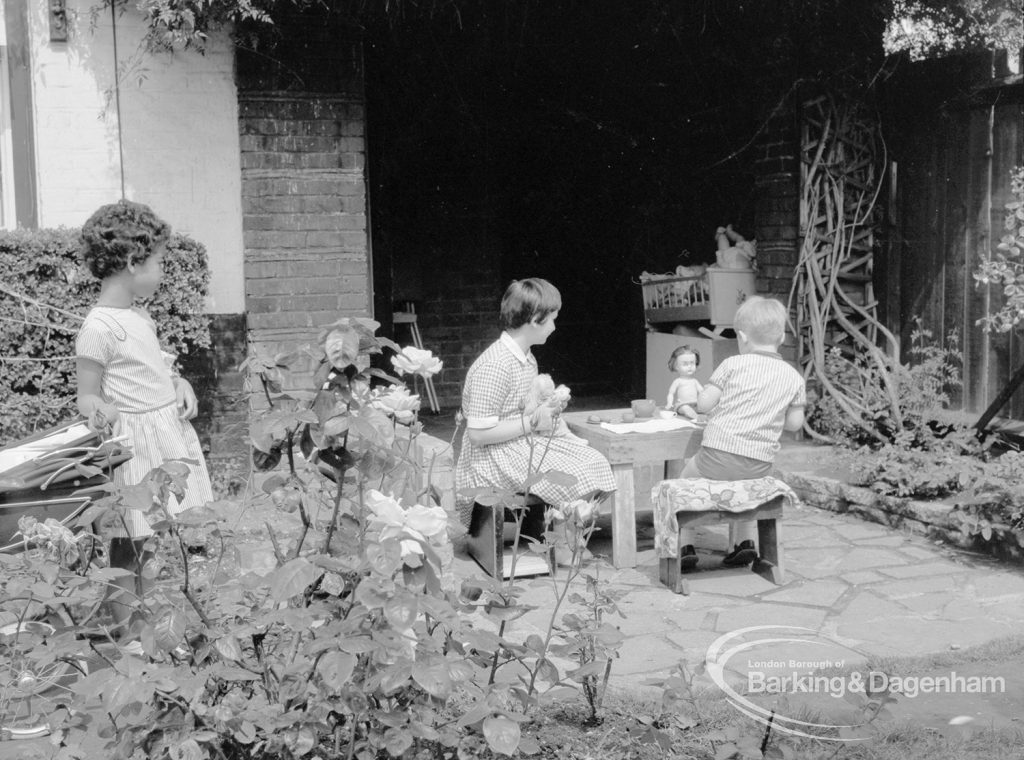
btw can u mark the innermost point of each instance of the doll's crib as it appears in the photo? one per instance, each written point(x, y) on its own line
point(712, 296)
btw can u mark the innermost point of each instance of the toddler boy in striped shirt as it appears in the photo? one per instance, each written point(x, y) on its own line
point(750, 399)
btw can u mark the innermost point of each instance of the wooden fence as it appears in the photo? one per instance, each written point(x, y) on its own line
point(955, 129)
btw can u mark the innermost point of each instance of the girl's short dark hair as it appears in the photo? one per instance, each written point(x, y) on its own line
point(679, 352)
point(119, 234)
point(526, 300)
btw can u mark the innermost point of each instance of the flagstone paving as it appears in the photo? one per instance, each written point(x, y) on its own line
point(858, 591)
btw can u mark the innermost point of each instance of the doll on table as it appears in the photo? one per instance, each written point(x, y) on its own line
point(683, 393)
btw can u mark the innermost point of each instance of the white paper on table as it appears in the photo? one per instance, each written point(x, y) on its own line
point(649, 426)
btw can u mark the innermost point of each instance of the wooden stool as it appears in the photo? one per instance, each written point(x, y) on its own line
point(485, 541)
point(768, 565)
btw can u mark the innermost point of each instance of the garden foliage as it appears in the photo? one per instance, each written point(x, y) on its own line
point(45, 293)
point(356, 644)
point(916, 419)
point(929, 453)
point(1005, 269)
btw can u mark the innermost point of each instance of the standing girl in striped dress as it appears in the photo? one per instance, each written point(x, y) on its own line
point(126, 381)
point(502, 444)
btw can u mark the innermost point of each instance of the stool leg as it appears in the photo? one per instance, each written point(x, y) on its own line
point(485, 541)
point(769, 564)
point(670, 572)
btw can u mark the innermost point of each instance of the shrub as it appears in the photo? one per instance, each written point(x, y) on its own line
point(912, 473)
point(42, 310)
point(1006, 268)
point(993, 506)
point(916, 419)
point(356, 644)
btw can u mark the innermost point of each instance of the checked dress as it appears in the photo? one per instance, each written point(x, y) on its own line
point(495, 389)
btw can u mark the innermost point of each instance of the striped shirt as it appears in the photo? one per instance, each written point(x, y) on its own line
point(123, 341)
point(757, 389)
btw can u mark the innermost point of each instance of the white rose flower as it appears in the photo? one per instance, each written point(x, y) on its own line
point(416, 361)
point(399, 403)
point(417, 521)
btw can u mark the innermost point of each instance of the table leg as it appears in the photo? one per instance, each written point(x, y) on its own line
point(623, 506)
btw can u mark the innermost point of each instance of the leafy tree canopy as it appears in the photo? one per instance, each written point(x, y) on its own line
point(928, 28)
point(925, 28)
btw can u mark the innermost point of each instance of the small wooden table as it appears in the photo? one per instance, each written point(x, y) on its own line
point(627, 452)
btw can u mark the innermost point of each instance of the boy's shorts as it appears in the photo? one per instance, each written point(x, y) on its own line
point(715, 464)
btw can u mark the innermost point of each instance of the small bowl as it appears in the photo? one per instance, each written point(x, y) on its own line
point(643, 408)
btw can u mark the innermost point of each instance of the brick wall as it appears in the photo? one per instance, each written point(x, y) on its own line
point(222, 423)
point(304, 214)
point(302, 133)
point(777, 216)
point(461, 291)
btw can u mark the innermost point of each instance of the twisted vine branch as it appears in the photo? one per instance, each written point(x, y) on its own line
point(842, 157)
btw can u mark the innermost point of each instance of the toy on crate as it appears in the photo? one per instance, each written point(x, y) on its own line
point(704, 293)
point(685, 287)
point(734, 251)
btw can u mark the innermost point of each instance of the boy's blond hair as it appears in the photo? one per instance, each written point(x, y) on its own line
point(762, 320)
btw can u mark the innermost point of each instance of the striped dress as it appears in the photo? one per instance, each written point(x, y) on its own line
point(137, 380)
point(757, 389)
point(495, 389)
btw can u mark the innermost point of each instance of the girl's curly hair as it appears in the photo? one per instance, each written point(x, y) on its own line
point(119, 234)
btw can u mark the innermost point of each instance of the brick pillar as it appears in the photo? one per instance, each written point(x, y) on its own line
point(302, 132)
point(222, 423)
point(777, 215)
point(304, 213)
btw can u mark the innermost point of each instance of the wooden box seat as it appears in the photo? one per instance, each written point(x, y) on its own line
point(485, 540)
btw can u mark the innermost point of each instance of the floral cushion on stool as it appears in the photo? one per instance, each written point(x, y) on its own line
point(703, 495)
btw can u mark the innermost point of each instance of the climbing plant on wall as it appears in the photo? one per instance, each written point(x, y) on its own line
point(842, 168)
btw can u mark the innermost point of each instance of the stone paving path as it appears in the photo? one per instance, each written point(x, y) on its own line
point(881, 593)
point(861, 589)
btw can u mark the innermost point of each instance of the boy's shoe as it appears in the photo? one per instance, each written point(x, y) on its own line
point(687, 559)
point(742, 554)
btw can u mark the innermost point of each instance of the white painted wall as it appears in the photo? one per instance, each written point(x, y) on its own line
point(178, 135)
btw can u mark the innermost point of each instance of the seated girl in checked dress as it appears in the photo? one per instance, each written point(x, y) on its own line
point(501, 445)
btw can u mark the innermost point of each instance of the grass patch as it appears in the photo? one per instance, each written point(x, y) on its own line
point(1005, 649)
point(706, 725)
